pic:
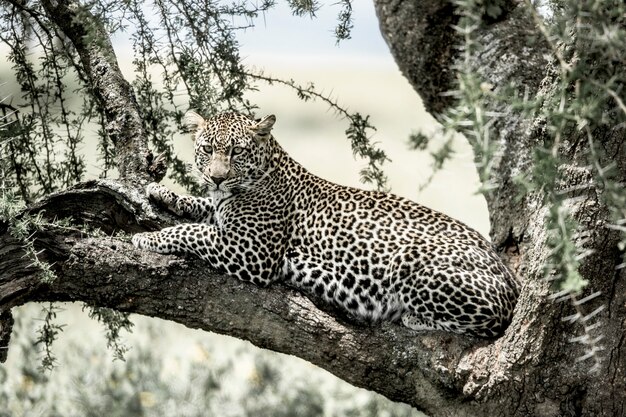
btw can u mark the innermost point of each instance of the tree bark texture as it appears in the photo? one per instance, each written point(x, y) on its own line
point(531, 370)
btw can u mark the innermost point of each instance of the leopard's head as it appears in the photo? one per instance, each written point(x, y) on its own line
point(231, 150)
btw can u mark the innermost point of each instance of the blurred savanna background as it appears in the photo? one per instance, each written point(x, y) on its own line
point(171, 370)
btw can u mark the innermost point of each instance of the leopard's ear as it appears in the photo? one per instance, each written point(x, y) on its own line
point(264, 126)
point(193, 121)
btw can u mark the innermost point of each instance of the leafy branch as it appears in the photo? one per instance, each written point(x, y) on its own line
point(359, 130)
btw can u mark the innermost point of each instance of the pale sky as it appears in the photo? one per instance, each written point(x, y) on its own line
point(281, 33)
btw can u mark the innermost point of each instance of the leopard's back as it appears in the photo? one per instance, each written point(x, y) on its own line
point(381, 256)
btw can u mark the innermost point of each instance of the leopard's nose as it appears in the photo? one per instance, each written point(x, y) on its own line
point(218, 180)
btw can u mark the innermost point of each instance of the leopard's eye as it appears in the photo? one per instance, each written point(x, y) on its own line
point(207, 149)
point(236, 150)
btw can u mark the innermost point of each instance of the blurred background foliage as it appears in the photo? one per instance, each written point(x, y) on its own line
point(206, 375)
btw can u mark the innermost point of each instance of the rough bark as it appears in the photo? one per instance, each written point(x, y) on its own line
point(420, 38)
point(532, 369)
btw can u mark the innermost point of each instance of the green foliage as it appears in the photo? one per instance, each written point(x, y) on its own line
point(114, 322)
point(442, 151)
point(418, 141)
point(304, 7)
point(472, 114)
point(43, 120)
point(586, 88)
point(587, 39)
point(10, 204)
point(310, 7)
point(23, 391)
point(47, 334)
point(364, 148)
point(491, 9)
point(21, 226)
point(564, 261)
point(344, 24)
point(358, 131)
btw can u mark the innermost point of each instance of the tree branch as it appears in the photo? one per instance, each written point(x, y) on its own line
point(442, 374)
point(109, 272)
point(420, 369)
point(124, 125)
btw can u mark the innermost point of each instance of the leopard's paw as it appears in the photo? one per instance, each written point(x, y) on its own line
point(156, 191)
point(161, 196)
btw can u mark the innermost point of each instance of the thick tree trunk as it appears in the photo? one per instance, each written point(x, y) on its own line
point(531, 370)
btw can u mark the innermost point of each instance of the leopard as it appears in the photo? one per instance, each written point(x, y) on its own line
point(372, 255)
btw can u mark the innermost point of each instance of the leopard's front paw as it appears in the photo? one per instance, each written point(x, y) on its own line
point(163, 197)
point(156, 191)
point(147, 240)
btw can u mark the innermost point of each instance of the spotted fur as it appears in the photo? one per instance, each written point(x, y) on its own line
point(376, 255)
